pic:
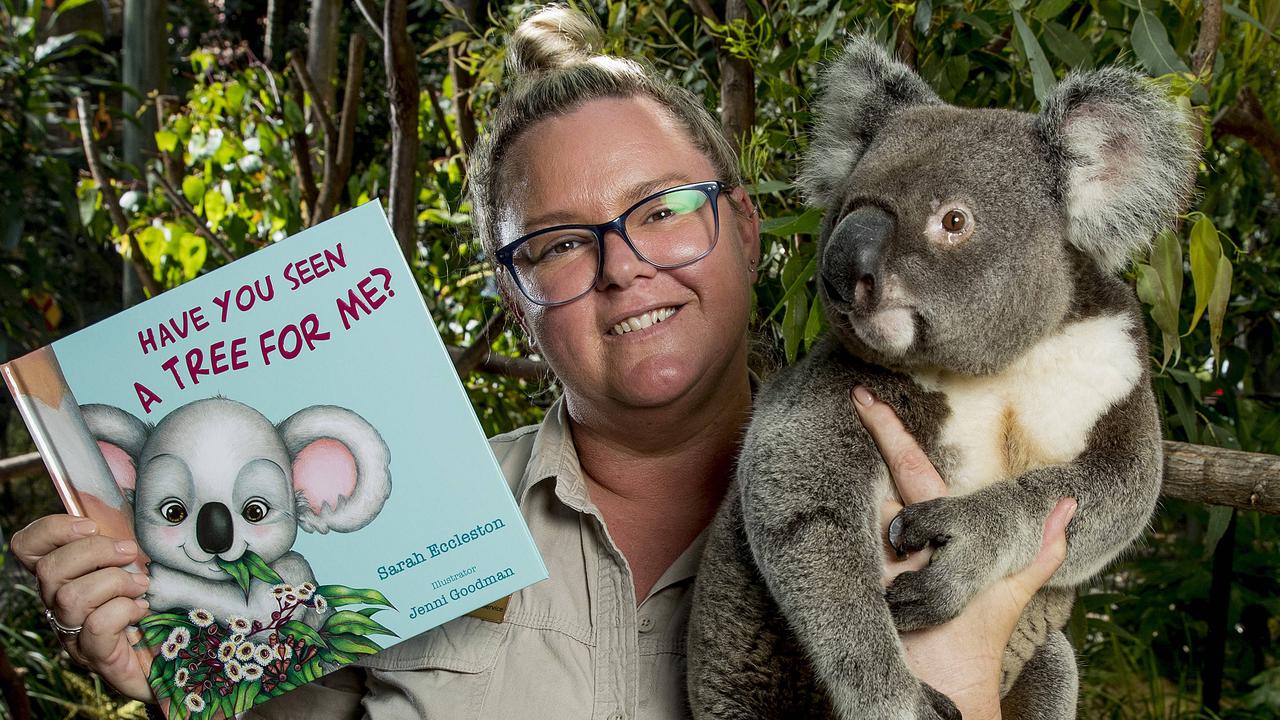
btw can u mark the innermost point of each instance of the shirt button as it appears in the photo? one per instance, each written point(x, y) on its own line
point(646, 624)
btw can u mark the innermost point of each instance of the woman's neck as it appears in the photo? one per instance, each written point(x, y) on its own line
point(657, 475)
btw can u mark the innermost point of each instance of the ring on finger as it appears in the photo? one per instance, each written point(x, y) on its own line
point(64, 632)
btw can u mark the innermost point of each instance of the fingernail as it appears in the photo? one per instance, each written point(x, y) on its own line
point(1074, 505)
point(84, 527)
point(140, 579)
point(863, 396)
point(134, 635)
point(143, 604)
point(126, 547)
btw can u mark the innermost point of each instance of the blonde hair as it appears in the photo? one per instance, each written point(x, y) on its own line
point(553, 66)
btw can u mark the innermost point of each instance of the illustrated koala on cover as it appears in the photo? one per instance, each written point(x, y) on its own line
point(215, 479)
point(968, 264)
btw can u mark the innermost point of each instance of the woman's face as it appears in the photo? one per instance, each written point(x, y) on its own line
point(588, 167)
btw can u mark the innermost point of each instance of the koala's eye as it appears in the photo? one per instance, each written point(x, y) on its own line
point(954, 221)
point(255, 510)
point(173, 511)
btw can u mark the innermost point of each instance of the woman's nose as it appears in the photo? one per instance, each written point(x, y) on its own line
point(621, 264)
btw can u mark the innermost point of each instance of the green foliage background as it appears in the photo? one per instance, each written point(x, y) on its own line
point(1143, 632)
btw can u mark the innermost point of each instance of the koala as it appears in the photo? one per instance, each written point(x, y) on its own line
point(967, 264)
point(215, 479)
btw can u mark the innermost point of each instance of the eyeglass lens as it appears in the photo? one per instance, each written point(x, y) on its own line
point(668, 230)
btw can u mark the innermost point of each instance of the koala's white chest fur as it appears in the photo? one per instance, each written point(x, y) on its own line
point(1039, 410)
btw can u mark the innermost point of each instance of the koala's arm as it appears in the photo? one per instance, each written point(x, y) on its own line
point(997, 530)
point(811, 484)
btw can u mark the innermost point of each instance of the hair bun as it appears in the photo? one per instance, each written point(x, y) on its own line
point(552, 38)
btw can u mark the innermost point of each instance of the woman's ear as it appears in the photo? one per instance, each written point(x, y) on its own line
point(748, 218)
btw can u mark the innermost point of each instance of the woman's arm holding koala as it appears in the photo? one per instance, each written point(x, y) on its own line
point(960, 658)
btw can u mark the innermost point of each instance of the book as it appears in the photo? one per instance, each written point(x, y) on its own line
point(289, 443)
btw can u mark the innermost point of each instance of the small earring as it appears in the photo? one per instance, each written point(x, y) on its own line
point(751, 266)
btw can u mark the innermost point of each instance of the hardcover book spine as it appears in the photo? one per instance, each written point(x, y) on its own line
point(79, 471)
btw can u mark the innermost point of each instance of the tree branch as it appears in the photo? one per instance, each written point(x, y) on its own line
point(302, 153)
point(522, 368)
point(371, 14)
point(337, 160)
point(1246, 119)
point(317, 100)
point(1207, 43)
point(180, 202)
point(434, 99)
point(141, 266)
point(737, 84)
point(402, 90)
point(1217, 476)
point(480, 348)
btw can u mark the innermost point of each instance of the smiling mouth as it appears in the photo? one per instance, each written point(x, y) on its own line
point(644, 320)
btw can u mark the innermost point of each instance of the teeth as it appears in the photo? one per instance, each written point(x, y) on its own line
point(642, 321)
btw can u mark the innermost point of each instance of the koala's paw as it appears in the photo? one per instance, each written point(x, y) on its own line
point(961, 564)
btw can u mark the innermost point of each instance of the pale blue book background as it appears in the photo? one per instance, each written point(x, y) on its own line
point(390, 367)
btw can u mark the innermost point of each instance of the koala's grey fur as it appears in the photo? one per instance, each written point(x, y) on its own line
point(1013, 355)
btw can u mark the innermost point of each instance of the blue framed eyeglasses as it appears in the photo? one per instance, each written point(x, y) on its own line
point(669, 229)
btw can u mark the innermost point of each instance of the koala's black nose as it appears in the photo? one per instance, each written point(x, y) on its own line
point(854, 256)
point(214, 530)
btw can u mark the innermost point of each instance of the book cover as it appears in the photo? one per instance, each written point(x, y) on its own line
point(288, 442)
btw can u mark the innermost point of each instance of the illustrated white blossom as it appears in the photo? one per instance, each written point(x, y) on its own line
point(320, 604)
point(262, 653)
point(244, 651)
point(200, 617)
point(239, 625)
point(181, 676)
point(252, 672)
point(226, 650)
point(233, 670)
point(194, 702)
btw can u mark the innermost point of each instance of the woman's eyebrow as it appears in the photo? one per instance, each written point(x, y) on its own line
point(624, 198)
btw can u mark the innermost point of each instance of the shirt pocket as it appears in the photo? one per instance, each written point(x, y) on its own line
point(442, 673)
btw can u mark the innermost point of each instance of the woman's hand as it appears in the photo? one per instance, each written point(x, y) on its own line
point(960, 658)
point(83, 582)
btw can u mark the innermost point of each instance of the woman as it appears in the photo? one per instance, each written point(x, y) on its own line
point(643, 318)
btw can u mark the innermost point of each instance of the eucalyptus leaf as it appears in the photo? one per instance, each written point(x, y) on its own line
point(238, 572)
point(1205, 251)
point(304, 631)
point(793, 322)
point(1218, 307)
point(1219, 520)
point(342, 595)
point(1042, 77)
point(1239, 14)
point(354, 645)
point(1151, 44)
point(1067, 46)
point(924, 16)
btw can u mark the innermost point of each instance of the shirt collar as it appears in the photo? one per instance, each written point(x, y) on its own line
point(555, 458)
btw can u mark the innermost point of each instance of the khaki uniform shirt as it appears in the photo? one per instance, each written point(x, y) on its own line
point(575, 645)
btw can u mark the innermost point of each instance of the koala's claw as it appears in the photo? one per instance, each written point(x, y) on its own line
point(911, 529)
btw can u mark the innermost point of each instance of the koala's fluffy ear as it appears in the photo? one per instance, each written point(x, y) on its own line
point(1126, 157)
point(120, 437)
point(860, 94)
point(341, 468)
